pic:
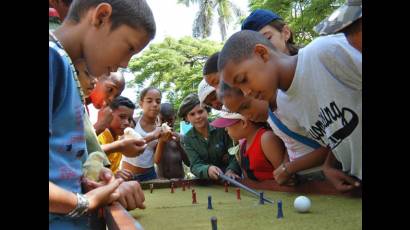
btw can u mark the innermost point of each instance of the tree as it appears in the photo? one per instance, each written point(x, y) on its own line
point(173, 66)
point(202, 26)
point(301, 15)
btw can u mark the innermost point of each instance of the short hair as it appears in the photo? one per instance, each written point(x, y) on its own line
point(121, 101)
point(167, 110)
point(240, 46)
point(134, 13)
point(146, 90)
point(211, 65)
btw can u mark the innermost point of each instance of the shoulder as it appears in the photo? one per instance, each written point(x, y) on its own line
point(269, 138)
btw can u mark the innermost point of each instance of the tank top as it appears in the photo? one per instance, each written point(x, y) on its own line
point(146, 159)
point(254, 160)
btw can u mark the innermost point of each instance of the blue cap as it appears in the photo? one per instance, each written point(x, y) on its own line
point(258, 19)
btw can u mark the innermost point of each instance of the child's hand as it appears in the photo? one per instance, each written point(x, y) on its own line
point(132, 147)
point(281, 176)
point(103, 195)
point(165, 136)
point(213, 172)
point(340, 180)
point(124, 174)
point(105, 176)
point(176, 137)
point(104, 119)
point(131, 195)
point(232, 174)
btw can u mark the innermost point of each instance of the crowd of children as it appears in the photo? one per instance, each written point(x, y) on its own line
point(287, 113)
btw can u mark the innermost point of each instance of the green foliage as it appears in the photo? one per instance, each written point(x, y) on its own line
point(173, 66)
point(301, 15)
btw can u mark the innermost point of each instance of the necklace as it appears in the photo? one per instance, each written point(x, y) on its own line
point(54, 38)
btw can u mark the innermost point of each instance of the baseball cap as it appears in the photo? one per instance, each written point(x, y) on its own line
point(227, 119)
point(340, 18)
point(258, 19)
point(204, 89)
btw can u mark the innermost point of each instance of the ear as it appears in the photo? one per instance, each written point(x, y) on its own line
point(286, 32)
point(140, 103)
point(101, 14)
point(244, 123)
point(262, 52)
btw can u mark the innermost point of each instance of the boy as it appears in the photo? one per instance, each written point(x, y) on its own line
point(324, 100)
point(207, 95)
point(123, 109)
point(346, 19)
point(169, 153)
point(210, 70)
point(122, 35)
point(107, 88)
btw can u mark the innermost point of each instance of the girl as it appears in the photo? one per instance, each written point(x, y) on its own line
point(261, 151)
point(142, 166)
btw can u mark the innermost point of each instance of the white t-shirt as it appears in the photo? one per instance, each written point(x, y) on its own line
point(146, 159)
point(325, 98)
point(294, 148)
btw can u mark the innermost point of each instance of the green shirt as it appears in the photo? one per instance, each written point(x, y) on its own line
point(214, 151)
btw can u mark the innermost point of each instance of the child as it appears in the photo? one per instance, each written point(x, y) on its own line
point(169, 153)
point(302, 160)
point(207, 96)
point(123, 109)
point(206, 146)
point(346, 19)
point(142, 166)
point(272, 27)
point(107, 88)
point(261, 151)
point(324, 100)
point(67, 149)
point(210, 70)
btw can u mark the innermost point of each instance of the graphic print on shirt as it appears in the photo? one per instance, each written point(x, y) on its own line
point(328, 116)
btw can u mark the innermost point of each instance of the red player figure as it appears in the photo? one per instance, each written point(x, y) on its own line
point(193, 190)
point(194, 197)
point(172, 187)
point(183, 186)
point(238, 193)
point(226, 187)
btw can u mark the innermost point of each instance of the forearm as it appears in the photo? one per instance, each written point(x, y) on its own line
point(310, 160)
point(112, 147)
point(60, 200)
point(159, 150)
point(330, 161)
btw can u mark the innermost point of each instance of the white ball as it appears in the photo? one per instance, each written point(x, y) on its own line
point(302, 204)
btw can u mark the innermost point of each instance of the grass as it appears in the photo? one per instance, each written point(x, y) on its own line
point(167, 210)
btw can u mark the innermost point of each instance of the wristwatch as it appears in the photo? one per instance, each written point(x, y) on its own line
point(81, 208)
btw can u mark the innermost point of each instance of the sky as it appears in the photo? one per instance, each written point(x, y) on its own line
point(176, 20)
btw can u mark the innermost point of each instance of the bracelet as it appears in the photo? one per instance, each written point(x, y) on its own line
point(81, 208)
